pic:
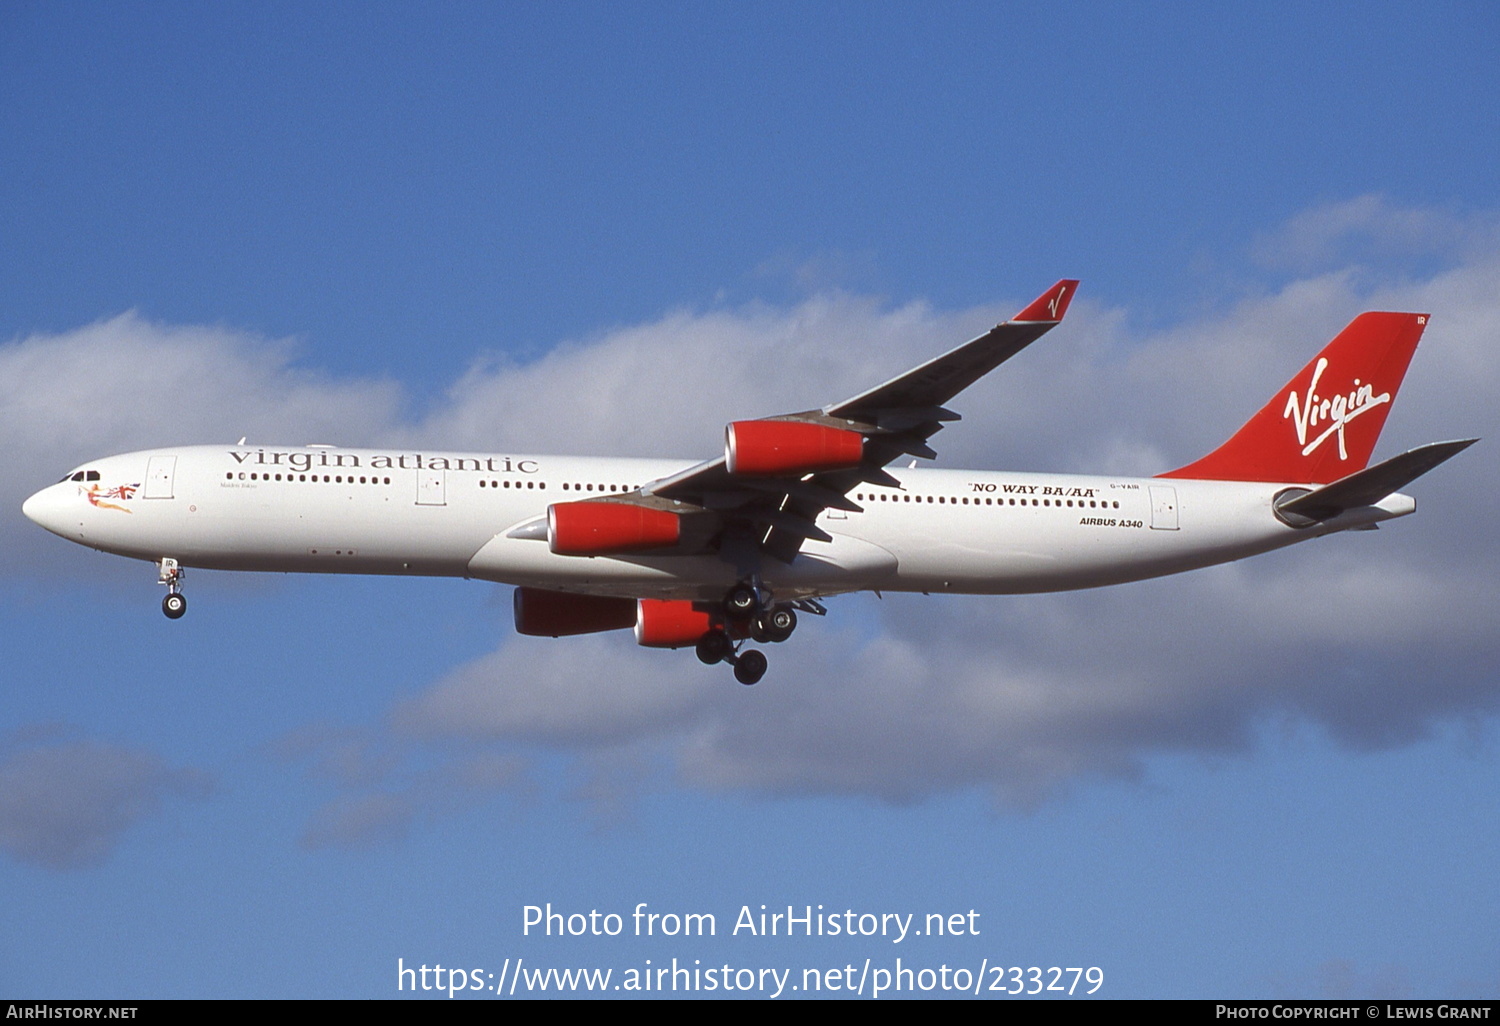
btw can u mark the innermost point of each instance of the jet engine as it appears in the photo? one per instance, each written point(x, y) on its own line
point(555, 614)
point(670, 623)
point(772, 448)
point(601, 528)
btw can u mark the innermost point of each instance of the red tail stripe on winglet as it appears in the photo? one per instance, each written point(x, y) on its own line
point(1050, 305)
point(1323, 424)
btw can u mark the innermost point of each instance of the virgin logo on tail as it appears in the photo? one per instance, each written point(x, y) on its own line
point(1338, 411)
point(1375, 346)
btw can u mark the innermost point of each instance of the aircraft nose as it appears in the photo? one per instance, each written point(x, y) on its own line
point(45, 508)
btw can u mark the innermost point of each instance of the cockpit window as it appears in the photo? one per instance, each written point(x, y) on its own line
point(93, 475)
point(82, 475)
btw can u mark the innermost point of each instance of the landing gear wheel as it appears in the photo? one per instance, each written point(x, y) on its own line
point(714, 647)
point(169, 573)
point(741, 601)
point(774, 626)
point(779, 623)
point(750, 667)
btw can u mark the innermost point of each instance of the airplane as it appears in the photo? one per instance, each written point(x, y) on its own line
point(719, 553)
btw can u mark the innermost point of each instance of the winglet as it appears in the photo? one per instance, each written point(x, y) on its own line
point(1050, 306)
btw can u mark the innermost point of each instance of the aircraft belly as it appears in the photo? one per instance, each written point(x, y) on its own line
point(845, 564)
point(530, 562)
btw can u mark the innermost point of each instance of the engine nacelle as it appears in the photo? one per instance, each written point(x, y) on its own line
point(601, 528)
point(663, 623)
point(772, 448)
point(554, 614)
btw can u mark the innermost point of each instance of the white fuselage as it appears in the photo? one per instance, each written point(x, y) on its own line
point(332, 510)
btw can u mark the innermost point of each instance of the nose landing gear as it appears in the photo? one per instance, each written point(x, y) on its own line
point(175, 602)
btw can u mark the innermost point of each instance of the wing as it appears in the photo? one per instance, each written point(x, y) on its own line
point(779, 474)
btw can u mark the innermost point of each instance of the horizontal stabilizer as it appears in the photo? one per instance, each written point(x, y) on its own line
point(1369, 486)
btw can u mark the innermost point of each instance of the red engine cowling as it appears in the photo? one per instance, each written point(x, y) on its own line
point(771, 448)
point(554, 614)
point(600, 528)
point(669, 623)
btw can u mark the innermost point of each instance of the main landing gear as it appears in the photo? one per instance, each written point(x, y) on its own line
point(750, 609)
point(175, 603)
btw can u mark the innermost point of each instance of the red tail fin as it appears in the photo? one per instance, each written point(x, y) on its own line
point(1323, 424)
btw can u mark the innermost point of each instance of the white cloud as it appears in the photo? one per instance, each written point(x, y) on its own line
point(535, 690)
point(667, 388)
point(1372, 228)
point(1021, 695)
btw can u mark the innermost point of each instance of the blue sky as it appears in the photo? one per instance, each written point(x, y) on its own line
point(612, 228)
